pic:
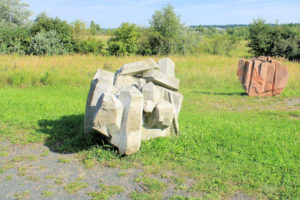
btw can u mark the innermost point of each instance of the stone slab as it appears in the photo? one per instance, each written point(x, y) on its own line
point(162, 79)
point(131, 126)
point(138, 67)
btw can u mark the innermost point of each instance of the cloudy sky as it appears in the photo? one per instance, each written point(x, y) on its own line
point(111, 13)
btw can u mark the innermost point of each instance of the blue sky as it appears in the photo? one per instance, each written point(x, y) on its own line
point(111, 13)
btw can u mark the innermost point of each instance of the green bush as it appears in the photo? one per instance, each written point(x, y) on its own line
point(46, 43)
point(149, 42)
point(219, 44)
point(63, 30)
point(14, 39)
point(124, 40)
point(89, 46)
point(277, 40)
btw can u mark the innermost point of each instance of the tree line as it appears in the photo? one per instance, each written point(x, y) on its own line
point(164, 35)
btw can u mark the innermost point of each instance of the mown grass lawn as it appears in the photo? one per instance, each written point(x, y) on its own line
point(229, 142)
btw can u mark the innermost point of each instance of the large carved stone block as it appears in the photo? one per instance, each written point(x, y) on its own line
point(139, 102)
point(262, 76)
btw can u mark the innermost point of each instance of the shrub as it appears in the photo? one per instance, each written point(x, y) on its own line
point(124, 40)
point(277, 40)
point(89, 46)
point(46, 43)
point(14, 39)
point(220, 44)
point(149, 42)
point(62, 29)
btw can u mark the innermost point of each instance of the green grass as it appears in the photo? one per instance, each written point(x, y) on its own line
point(75, 186)
point(47, 193)
point(45, 153)
point(107, 192)
point(8, 178)
point(229, 142)
point(152, 184)
point(153, 188)
point(22, 195)
point(122, 174)
point(4, 153)
point(64, 160)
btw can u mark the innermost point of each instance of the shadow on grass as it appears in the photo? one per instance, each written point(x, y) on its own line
point(222, 93)
point(66, 135)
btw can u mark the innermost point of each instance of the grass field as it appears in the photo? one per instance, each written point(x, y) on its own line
point(229, 142)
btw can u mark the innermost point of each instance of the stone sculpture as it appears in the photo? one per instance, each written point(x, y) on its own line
point(139, 102)
point(262, 76)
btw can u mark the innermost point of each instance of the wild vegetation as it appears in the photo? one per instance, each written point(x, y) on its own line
point(165, 35)
point(229, 143)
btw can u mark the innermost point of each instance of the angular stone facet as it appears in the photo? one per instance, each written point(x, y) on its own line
point(151, 93)
point(162, 79)
point(167, 66)
point(131, 127)
point(138, 67)
point(101, 83)
point(108, 117)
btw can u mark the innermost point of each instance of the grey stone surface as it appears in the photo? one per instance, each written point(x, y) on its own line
point(148, 107)
point(122, 82)
point(163, 115)
point(167, 66)
point(138, 67)
point(102, 82)
point(141, 82)
point(151, 93)
point(108, 117)
point(151, 133)
point(177, 98)
point(162, 79)
point(131, 127)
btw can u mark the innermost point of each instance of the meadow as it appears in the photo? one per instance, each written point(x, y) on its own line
point(229, 142)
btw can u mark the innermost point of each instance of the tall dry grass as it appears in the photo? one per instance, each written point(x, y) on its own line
point(203, 72)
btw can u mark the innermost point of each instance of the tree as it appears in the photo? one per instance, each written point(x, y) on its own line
point(41, 16)
point(124, 40)
point(167, 25)
point(78, 28)
point(230, 42)
point(94, 28)
point(12, 11)
point(63, 29)
point(14, 39)
point(46, 43)
point(276, 40)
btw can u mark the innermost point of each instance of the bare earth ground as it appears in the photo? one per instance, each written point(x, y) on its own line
point(32, 171)
point(31, 174)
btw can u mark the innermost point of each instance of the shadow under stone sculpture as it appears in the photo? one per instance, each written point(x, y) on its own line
point(139, 102)
point(262, 76)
